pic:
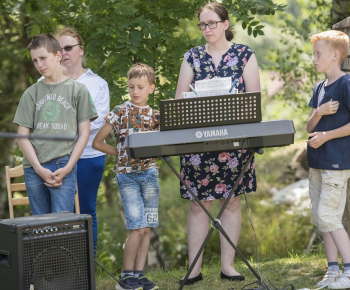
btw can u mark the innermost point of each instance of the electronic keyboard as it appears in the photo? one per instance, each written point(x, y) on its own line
point(208, 139)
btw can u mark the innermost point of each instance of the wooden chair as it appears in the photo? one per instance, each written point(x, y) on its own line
point(16, 172)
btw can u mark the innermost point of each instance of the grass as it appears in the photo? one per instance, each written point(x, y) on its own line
point(282, 237)
point(297, 271)
point(278, 232)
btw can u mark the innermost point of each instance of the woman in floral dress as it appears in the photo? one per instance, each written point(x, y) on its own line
point(211, 175)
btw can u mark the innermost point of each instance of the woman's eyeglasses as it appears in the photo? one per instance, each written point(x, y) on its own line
point(211, 25)
point(69, 47)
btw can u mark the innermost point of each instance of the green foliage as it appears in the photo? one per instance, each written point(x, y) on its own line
point(116, 34)
point(293, 60)
point(119, 33)
point(248, 10)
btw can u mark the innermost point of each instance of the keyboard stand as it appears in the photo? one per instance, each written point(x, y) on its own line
point(215, 223)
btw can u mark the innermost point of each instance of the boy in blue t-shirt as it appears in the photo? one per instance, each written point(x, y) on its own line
point(328, 152)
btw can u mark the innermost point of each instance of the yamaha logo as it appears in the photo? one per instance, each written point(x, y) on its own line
point(211, 133)
point(199, 134)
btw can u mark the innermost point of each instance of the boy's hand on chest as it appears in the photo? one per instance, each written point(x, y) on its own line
point(328, 108)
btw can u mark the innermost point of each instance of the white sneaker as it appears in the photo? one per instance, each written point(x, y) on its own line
point(330, 277)
point(343, 282)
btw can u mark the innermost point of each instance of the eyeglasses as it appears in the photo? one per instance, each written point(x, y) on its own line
point(211, 25)
point(69, 47)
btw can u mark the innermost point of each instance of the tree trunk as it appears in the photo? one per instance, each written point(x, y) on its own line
point(13, 85)
point(340, 10)
point(7, 159)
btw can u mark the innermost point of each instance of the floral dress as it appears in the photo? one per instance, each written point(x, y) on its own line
point(212, 175)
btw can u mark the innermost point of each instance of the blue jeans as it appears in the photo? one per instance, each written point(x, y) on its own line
point(44, 199)
point(90, 171)
point(139, 192)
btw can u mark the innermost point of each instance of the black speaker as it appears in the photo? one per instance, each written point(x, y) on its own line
point(50, 251)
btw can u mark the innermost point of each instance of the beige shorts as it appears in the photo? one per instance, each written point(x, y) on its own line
point(328, 190)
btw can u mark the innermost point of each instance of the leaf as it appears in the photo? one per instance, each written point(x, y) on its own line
point(258, 27)
point(253, 23)
point(249, 30)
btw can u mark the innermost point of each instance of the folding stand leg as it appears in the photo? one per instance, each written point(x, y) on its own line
point(215, 223)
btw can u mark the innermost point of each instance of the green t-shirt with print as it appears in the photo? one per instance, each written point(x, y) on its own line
point(54, 109)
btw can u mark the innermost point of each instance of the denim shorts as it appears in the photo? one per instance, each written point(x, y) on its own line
point(44, 199)
point(139, 192)
point(328, 191)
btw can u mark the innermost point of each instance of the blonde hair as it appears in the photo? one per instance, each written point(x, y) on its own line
point(69, 31)
point(140, 70)
point(337, 39)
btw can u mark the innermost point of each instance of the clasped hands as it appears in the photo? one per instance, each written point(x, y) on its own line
point(53, 179)
point(317, 139)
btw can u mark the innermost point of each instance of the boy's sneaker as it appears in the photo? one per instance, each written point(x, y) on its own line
point(343, 282)
point(146, 284)
point(330, 277)
point(128, 282)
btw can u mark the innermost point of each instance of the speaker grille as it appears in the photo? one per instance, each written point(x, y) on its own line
point(210, 111)
point(58, 263)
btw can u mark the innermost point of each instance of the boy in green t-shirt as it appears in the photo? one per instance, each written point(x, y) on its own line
point(57, 105)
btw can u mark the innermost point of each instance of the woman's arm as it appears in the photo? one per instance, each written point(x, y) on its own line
point(185, 79)
point(101, 102)
point(251, 75)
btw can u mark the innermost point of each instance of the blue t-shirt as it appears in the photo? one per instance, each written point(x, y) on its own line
point(334, 154)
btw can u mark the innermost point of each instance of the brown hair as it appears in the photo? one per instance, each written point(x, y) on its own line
point(140, 70)
point(69, 31)
point(337, 39)
point(222, 12)
point(47, 41)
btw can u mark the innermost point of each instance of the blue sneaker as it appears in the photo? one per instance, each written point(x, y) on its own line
point(147, 284)
point(128, 282)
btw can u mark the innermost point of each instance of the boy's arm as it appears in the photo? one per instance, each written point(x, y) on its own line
point(29, 152)
point(319, 138)
point(84, 131)
point(98, 142)
point(328, 108)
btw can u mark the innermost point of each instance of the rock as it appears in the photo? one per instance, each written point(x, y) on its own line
point(295, 195)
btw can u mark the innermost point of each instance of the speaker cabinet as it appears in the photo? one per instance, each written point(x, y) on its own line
point(50, 251)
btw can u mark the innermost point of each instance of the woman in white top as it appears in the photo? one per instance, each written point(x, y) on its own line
point(91, 163)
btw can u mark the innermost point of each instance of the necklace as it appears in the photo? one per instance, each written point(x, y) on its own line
point(51, 89)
